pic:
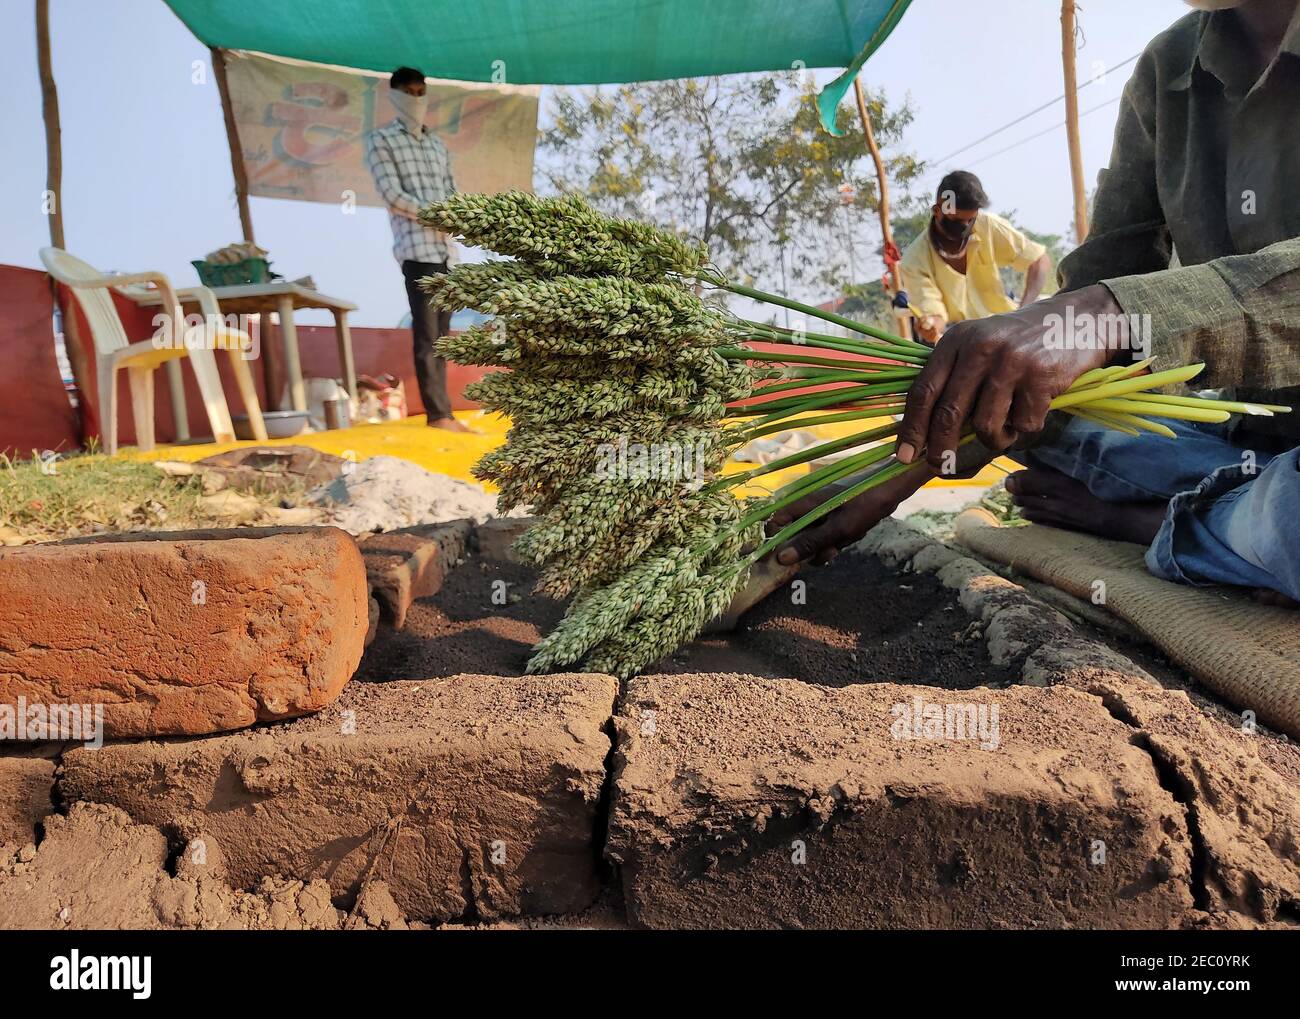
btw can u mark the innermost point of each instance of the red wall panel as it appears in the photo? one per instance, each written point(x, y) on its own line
point(377, 352)
point(35, 413)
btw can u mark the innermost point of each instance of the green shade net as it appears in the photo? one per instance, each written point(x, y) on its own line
point(557, 42)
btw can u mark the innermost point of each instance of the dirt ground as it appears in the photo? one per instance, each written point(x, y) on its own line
point(832, 635)
point(855, 621)
point(844, 627)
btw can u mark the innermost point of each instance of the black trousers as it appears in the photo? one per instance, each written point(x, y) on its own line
point(427, 324)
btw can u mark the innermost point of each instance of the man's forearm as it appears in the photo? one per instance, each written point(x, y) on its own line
point(402, 204)
point(1035, 276)
point(1235, 314)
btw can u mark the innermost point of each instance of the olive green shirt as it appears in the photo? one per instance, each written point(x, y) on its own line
point(1205, 169)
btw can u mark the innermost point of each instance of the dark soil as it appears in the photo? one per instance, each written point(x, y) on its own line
point(862, 622)
point(462, 630)
point(859, 622)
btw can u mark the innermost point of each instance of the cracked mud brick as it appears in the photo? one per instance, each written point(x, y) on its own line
point(26, 784)
point(1242, 814)
point(183, 633)
point(474, 796)
point(741, 802)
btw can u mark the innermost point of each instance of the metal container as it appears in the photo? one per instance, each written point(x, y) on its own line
point(280, 424)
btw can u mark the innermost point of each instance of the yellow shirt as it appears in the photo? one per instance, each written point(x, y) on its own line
point(936, 288)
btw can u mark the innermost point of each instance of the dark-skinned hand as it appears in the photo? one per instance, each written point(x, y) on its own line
point(998, 372)
point(1001, 374)
point(822, 541)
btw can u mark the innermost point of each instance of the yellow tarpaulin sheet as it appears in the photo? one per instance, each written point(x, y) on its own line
point(454, 453)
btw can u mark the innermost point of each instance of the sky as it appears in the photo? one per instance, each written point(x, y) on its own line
point(146, 170)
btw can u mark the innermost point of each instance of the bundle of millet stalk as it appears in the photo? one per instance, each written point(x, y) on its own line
point(606, 345)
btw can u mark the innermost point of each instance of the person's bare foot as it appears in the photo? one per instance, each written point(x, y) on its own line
point(1045, 496)
point(448, 425)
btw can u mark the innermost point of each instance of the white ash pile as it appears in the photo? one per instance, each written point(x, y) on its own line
point(385, 493)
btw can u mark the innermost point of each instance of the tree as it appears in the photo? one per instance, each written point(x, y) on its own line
point(739, 162)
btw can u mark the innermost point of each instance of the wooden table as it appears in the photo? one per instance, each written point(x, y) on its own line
point(285, 299)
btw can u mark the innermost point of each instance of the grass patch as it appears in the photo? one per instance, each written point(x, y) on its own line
point(91, 493)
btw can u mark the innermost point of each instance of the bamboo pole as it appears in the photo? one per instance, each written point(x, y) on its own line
point(83, 372)
point(53, 132)
point(886, 230)
point(1072, 120)
point(232, 140)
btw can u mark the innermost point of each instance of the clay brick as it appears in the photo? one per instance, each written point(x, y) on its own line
point(1241, 811)
point(722, 782)
point(183, 632)
point(473, 795)
point(411, 563)
point(26, 782)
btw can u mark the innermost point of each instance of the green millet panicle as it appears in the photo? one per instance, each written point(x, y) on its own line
point(610, 305)
point(611, 366)
point(616, 385)
point(627, 652)
point(564, 235)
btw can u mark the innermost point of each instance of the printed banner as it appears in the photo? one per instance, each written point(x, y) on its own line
point(302, 129)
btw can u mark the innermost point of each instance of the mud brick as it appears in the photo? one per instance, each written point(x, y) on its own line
point(742, 802)
point(495, 538)
point(474, 796)
point(411, 563)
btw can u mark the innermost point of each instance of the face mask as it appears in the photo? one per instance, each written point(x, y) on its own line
point(410, 109)
point(955, 229)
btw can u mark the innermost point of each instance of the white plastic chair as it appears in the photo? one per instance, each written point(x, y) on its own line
point(113, 351)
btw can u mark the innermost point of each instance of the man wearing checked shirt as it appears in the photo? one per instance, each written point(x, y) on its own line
point(411, 168)
point(1196, 232)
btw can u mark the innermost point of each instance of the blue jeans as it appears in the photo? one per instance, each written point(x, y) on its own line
point(1230, 520)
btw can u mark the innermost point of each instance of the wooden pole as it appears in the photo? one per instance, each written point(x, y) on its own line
point(886, 230)
point(1072, 121)
point(232, 139)
point(83, 370)
point(53, 132)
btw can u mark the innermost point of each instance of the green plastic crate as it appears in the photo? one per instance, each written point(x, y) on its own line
point(250, 270)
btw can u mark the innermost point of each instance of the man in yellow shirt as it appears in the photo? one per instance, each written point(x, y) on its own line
point(951, 272)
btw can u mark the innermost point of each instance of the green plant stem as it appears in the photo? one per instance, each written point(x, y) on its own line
point(808, 381)
point(852, 347)
point(829, 506)
point(750, 432)
point(834, 502)
point(825, 316)
point(841, 343)
point(843, 364)
point(801, 404)
point(805, 455)
point(812, 481)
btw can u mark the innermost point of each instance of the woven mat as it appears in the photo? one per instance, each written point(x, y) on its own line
point(1247, 653)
